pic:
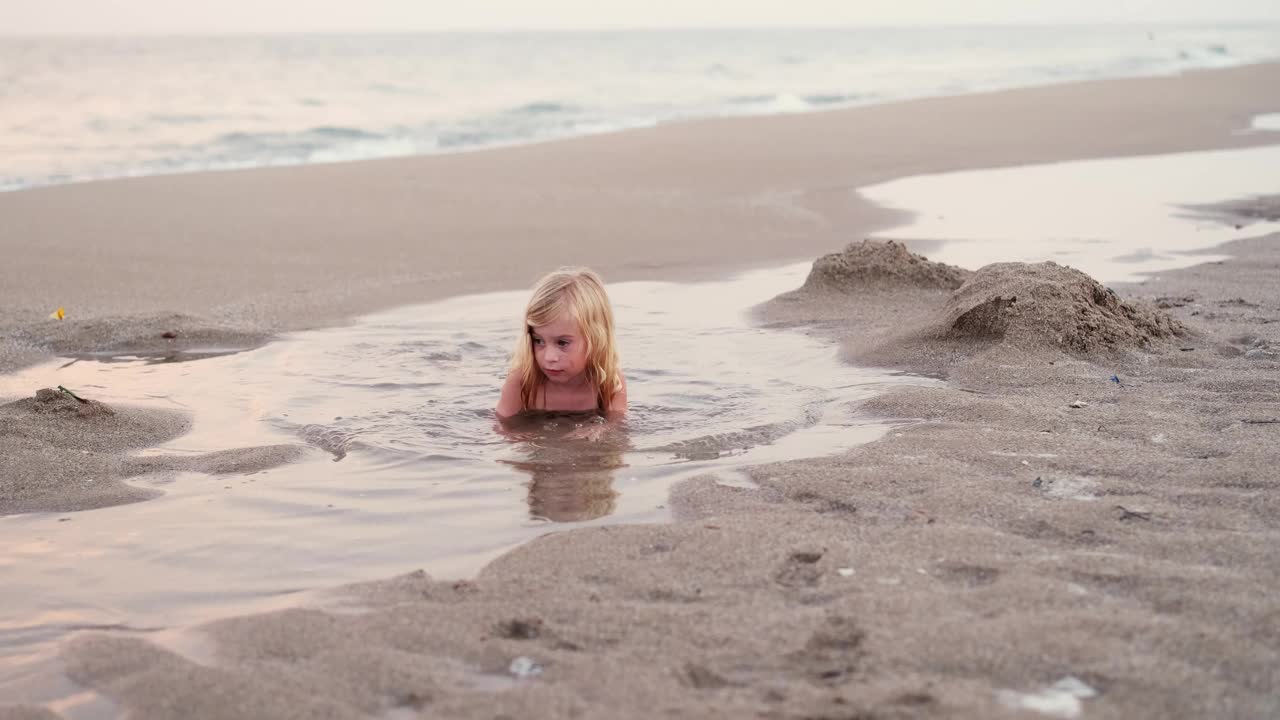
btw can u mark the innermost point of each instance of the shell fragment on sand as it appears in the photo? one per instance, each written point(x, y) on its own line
point(524, 667)
point(1060, 700)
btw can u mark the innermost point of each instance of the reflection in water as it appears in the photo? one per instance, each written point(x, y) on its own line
point(573, 493)
point(408, 471)
point(571, 459)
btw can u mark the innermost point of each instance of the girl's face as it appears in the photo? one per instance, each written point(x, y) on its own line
point(560, 350)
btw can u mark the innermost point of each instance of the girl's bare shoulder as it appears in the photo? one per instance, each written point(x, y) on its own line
point(509, 401)
point(618, 405)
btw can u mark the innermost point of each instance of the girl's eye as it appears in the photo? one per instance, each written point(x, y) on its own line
point(537, 341)
point(564, 343)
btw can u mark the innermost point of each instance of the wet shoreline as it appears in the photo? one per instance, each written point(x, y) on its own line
point(924, 570)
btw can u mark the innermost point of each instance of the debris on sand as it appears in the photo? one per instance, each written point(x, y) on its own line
point(524, 667)
point(1060, 700)
point(63, 402)
point(1127, 514)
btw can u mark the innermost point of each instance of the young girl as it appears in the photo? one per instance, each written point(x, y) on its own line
point(565, 359)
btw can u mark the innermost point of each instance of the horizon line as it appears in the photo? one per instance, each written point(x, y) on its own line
point(478, 30)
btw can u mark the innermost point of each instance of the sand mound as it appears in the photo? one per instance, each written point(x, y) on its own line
point(63, 454)
point(876, 264)
point(1047, 304)
point(166, 335)
point(52, 402)
point(58, 419)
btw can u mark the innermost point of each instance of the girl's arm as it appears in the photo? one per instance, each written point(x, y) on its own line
point(509, 403)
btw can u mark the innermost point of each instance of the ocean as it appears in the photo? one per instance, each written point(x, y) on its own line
point(74, 109)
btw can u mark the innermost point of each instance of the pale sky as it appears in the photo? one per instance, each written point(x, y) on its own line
point(173, 16)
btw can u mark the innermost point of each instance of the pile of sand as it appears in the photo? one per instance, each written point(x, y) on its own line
point(872, 264)
point(154, 335)
point(63, 454)
point(912, 313)
point(60, 420)
point(1046, 304)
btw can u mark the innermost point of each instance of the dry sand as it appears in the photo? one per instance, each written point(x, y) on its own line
point(1004, 542)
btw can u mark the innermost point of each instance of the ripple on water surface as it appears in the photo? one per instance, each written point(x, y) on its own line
point(409, 469)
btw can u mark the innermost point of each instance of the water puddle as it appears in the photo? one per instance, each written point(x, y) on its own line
point(408, 470)
point(1116, 219)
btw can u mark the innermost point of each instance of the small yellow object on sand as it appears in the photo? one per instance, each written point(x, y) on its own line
point(59, 314)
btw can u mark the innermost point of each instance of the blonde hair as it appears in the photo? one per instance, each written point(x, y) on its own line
point(578, 293)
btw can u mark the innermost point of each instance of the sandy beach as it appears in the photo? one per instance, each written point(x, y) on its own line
point(229, 258)
point(1081, 522)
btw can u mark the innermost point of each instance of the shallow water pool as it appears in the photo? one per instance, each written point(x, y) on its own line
point(409, 470)
point(1117, 219)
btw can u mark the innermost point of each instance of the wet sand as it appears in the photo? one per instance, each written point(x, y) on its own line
point(64, 453)
point(1040, 523)
point(227, 259)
